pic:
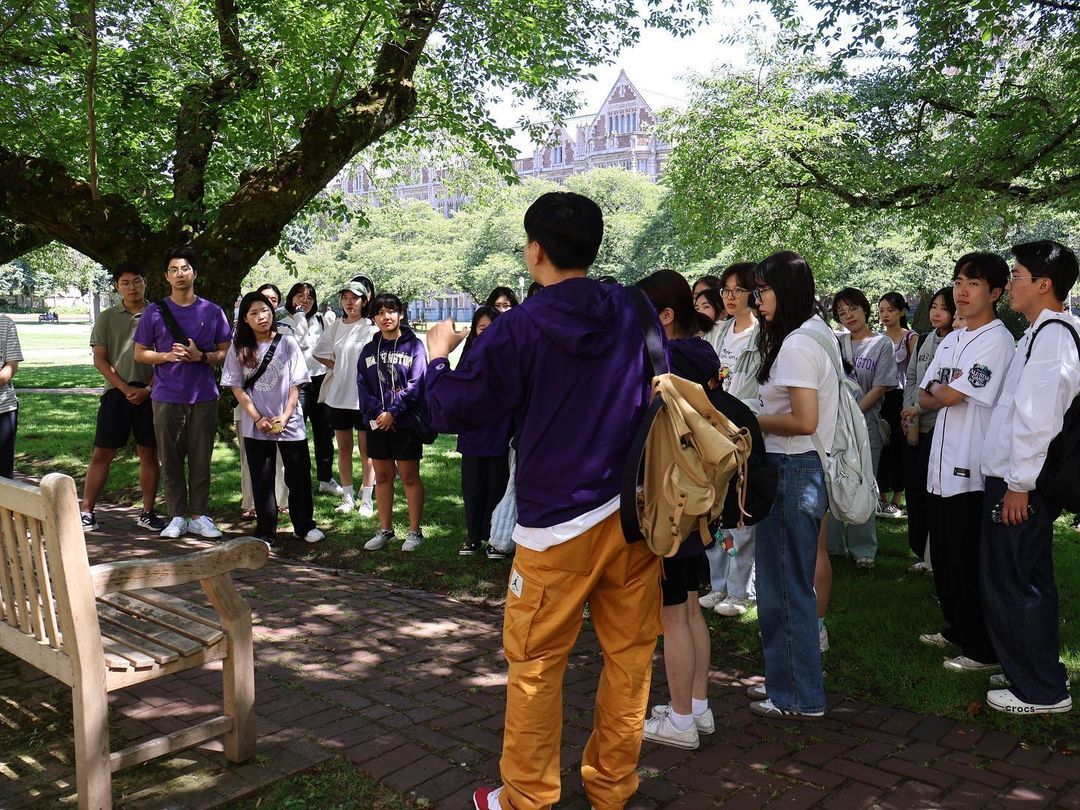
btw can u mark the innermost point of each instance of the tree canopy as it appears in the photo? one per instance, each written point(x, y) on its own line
point(129, 127)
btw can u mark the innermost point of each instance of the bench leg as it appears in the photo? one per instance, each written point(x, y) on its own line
point(238, 667)
point(93, 775)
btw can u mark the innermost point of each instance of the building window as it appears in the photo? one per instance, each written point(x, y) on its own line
point(643, 166)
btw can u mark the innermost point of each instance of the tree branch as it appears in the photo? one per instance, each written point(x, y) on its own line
point(345, 59)
point(16, 15)
point(16, 240)
point(1058, 6)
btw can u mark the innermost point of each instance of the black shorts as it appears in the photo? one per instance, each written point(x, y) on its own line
point(118, 419)
point(681, 576)
point(345, 419)
point(400, 445)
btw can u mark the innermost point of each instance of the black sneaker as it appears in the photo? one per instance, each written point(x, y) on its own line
point(494, 554)
point(89, 522)
point(468, 549)
point(153, 521)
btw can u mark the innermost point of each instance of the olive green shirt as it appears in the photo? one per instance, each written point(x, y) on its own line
point(114, 329)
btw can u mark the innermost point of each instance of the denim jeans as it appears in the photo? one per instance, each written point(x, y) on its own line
point(786, 553)
point(734, 575)
point(1020, 598)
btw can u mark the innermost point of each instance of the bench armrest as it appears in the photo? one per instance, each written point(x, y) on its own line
point(162, 572)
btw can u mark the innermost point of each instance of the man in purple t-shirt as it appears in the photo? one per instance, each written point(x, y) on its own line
point(182, 337)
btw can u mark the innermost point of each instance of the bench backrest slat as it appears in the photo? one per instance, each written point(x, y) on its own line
point(44, 583)
point(15, 607)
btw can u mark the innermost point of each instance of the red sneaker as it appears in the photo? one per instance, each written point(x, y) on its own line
point(482, 798)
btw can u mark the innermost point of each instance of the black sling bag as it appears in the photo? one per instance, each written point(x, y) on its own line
point(249, 383)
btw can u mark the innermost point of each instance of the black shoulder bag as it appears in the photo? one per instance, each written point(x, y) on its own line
point(249, 383)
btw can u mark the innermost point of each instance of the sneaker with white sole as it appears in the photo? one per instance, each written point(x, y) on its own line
point(346, 505)
point(493, 553)
point(204, 526)
point(413, 541)
point(823, 639)
point(330, 487)
point(766, 708)
point(705, 722)
point(962, 663)
point(89, 522)
point(177, 526)
point(935, 640)
point(712, 599)
point(1003, 700)
point(757, 692)
point(152, 520)
point(487, 798)
point(659, 729)
point(380, 539)
point(314, 535)
point(366, 509)
point(864, 562)
point(920, 567)
point(732, 606)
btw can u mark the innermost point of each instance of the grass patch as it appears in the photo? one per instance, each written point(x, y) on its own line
point(874, 620)
point(336, 784)
point(71, 375)
point(34, 336)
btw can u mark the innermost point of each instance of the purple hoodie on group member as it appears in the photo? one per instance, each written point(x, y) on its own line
point(390, 376)
point(569, 364)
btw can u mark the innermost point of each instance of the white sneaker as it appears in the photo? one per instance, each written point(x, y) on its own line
point(332, 487)
point(177, 526)
point(313, 536)
point(705, 723)
point(935, 640)
point(658, 729)
point(1005, 701)
point(712, 599)
point(346, 505)
point(381, 538)
point(732, 606)
point(205, 526)
point(823, 639)
point(920, 568)
point(766, 708)
point(412, 541)
point(964, 664)
point(757, 692)
point(366, 509)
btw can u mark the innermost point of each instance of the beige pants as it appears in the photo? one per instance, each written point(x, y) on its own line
point(621, 583)
point(185, 433)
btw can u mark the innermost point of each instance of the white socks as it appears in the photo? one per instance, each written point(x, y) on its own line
point(682, 722)
point(699, 706)
point(365, 494)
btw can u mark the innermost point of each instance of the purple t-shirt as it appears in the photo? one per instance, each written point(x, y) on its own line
point(270, 394)
point(184, 383)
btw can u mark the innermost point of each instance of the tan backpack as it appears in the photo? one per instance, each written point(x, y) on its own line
point(692, 455)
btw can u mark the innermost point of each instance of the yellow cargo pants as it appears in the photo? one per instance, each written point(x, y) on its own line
point(621, 583)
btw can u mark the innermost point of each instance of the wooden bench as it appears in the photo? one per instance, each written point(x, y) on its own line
point(106, 627)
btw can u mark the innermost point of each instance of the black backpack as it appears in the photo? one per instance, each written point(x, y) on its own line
point(1059, 480)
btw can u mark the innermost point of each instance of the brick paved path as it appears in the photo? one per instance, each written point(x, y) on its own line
point(409, 686)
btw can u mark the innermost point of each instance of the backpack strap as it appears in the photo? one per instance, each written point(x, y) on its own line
point(249, 383)
point(922, 339)
point(832, 351)
point(171, 323)
point(628, 511)
point(1075, 337)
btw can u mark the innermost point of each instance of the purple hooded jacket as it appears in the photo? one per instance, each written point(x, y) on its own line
point(569, 365)
point(402, 364)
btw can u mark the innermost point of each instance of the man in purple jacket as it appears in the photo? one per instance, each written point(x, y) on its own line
point(569, 366)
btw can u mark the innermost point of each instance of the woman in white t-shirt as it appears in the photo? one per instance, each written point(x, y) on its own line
point(731, 562)
point(799, 393)
point(339, 349)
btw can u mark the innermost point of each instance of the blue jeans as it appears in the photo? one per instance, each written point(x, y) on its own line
point(734, 575)
point(786, 553)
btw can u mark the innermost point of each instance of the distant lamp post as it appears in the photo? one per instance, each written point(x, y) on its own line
point(521, 288)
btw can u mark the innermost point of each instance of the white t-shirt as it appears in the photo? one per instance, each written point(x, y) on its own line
point(308, 332)
point(972, 363)
point(342, 342)
point(733, 345)
point(802, 363)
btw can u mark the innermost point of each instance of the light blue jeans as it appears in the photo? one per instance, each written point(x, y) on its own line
point(859, 541)
point(786, 553)
point(734, 575)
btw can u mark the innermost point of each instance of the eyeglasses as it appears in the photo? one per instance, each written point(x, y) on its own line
point(733, 292)
point(759, 292)
point(843, 312)
point(1013, 277)
point(130, 285)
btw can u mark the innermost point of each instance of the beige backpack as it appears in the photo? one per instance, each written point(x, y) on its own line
point(692, 455)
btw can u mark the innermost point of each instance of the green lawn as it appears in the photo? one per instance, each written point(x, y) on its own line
point(336, 784)
point(874, 620)
point(35, 336)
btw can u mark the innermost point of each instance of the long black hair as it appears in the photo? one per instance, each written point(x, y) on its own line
point(274, 287)
point(500, 292)
point(667, 289)
point(792, 282)
point(483, 311)
point(244, 336)
point(294, 290)
point(897, 302)
point(716, 301)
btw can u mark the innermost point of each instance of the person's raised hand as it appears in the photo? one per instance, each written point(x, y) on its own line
point(443, 338)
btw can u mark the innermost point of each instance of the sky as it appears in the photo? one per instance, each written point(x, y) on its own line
point(659, 64)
